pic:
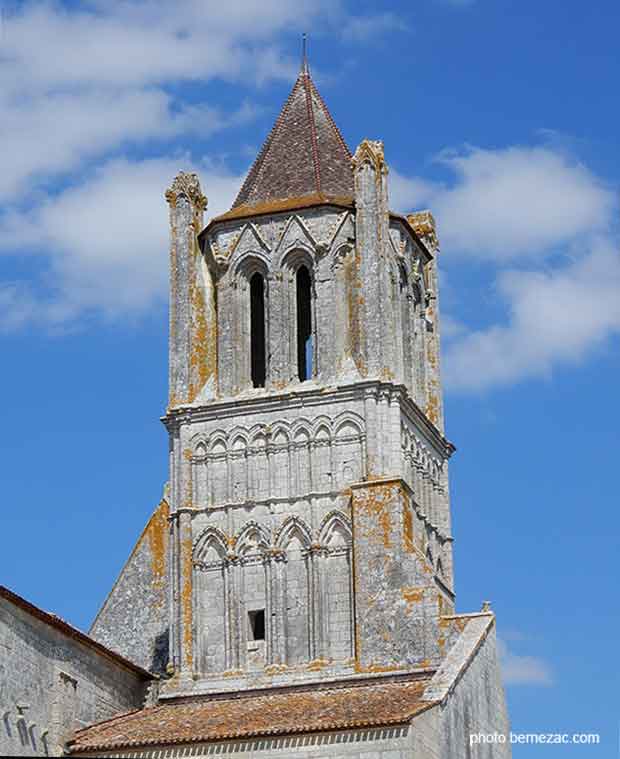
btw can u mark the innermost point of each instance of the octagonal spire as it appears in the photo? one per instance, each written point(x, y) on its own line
point(304, 154)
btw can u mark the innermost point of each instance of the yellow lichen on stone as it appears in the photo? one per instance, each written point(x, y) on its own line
point(408, 530)
point(157, 533)
point(316, 665)
point(197, 359)
point(376, 502)
point(413, 595)
point(186, 598)
point(379, 668)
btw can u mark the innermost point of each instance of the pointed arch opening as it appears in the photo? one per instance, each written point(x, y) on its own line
point(257, 330)
point(305, 347)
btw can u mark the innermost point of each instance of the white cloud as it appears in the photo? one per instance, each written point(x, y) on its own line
point(546, 224)
point(57, 133)
point(131, 43)
point(516, 202)
point(77, 84)
point(407, 194)
point(105, 242)
point(523, 670)
point(557, 316)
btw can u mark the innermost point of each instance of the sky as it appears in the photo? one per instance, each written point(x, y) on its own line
point(501, 117)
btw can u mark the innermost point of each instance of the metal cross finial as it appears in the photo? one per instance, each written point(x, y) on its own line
point(304, 53)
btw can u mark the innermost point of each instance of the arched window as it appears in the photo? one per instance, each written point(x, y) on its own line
point(304, 324)
point(257, 330)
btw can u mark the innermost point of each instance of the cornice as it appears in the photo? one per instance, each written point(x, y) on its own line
point(298, 397)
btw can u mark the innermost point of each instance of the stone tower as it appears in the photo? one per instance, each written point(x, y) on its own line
point(294, 588)
point(309, 506)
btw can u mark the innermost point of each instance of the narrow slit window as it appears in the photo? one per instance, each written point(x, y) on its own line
point(257, 330)
point(305, 347)
point(257, 624)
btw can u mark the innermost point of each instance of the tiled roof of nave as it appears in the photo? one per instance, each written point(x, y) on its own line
point(278, 712)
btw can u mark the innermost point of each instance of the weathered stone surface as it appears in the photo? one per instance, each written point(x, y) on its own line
point(133, 619)
point(192, 340)
point(469, 687)
point(53, 682)
point(397, 599)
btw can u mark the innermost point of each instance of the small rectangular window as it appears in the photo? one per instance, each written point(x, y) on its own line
point(257, 624)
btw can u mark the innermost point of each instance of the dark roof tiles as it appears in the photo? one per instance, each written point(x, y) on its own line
point(304, 153)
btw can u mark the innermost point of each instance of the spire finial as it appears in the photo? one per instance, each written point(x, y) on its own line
point(304, 53)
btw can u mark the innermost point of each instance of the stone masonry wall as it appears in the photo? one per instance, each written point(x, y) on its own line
point(469, 687)
point(262, 523)
point(398, 600)
point(133, 620)
point(51, 684)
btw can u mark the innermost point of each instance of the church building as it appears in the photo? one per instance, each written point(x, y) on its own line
point(293, 593)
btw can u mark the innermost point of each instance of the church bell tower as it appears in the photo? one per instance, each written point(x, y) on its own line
point(309, 508)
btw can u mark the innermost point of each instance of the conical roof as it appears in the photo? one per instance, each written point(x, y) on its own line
point(303, 155)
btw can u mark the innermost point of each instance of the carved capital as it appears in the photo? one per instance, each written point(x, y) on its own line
point(188, 185)
point(277, 554)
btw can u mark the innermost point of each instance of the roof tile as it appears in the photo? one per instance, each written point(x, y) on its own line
point(278, 712)
point(304, 153)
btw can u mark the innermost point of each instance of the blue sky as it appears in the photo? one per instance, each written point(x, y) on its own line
point(502, 117)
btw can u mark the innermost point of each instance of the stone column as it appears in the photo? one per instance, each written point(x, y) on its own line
point(424, 225)
point(186, 594)
point(227, 620)
point(317, 602)
point(235, 590)
point(278, 607)
point(371, 239)
point(193, 320)
point(373, 453)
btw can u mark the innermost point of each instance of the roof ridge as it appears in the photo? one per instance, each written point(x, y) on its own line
point(312, 125)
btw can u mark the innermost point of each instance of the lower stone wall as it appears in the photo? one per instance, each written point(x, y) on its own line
point(52, 684)
point(470, 689)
